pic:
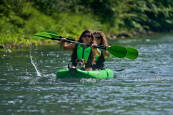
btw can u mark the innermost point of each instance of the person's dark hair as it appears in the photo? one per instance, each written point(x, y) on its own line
point(86, 31)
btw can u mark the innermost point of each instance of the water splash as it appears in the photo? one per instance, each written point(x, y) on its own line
point(35, 67)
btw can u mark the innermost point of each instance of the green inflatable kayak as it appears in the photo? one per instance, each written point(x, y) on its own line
point(78, 73)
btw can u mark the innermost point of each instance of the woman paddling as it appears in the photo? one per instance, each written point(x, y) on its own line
point(81, 54)
point(100, 39)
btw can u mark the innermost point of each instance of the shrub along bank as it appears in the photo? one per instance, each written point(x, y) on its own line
point(20, 19)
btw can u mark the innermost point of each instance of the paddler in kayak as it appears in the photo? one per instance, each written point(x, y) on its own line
point(100, 39)
point(81, 54)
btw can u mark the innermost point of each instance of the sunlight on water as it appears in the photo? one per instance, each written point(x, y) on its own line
point(28, 83)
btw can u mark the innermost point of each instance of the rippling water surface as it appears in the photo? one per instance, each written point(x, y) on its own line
point(28, 83)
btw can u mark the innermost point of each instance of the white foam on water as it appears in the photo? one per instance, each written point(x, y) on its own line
point(35, 67)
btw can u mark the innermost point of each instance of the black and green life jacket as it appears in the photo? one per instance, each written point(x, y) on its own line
point(80, 53)
point(99, 61)
point(97, 56)
point(83, 53)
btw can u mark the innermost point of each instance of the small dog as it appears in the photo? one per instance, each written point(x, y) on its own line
point(80, 63)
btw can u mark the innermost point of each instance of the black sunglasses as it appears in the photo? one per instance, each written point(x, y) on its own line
point(98, 38)
point(89, 36)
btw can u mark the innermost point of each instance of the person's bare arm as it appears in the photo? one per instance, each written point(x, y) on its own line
point(66, 46)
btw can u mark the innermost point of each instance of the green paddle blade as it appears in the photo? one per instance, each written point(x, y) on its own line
point(46, 35)
point(131, 53)
point(117, 51)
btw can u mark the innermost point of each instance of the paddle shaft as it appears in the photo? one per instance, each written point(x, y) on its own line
point(117, 51)
point(69, 40)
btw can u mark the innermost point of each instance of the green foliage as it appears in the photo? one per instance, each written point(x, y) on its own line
point(20, 19)
point(71, 25)
point(156, 15)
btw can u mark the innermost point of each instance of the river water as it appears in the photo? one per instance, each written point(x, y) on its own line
point(28, 83)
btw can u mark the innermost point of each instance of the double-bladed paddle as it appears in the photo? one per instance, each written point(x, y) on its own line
point(117, 51)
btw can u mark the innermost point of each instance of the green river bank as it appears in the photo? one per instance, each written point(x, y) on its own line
point(20, 19)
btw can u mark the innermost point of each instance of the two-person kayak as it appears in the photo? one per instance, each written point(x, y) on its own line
point(78, 73)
